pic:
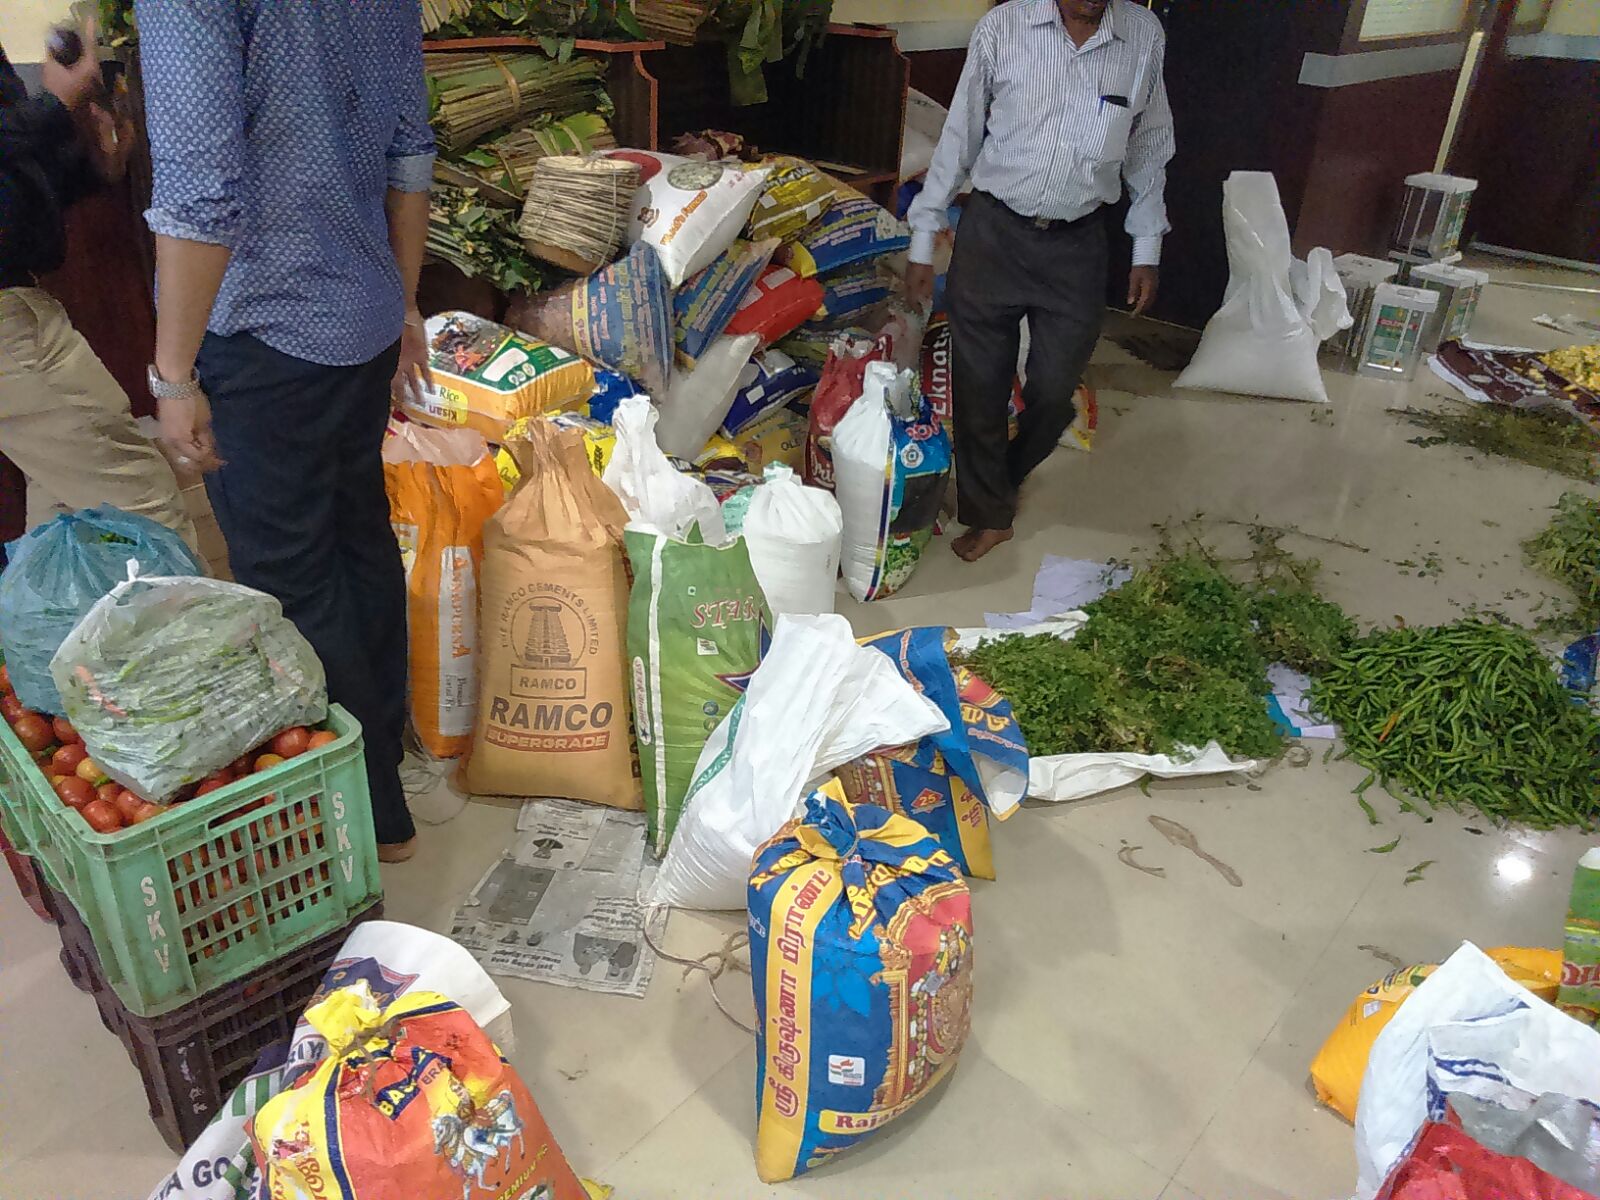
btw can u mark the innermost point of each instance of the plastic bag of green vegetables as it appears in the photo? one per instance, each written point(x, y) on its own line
point(169, 679)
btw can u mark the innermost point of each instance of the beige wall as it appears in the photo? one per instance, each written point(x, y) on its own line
point(1581, 17)
point(24, 23)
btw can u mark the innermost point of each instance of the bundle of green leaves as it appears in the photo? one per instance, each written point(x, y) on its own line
point(1174, 658)
point(1568, 550)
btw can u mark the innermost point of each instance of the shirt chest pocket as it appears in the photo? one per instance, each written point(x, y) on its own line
point(1112, 122)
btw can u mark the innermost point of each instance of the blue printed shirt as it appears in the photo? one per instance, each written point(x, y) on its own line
point(276, 128)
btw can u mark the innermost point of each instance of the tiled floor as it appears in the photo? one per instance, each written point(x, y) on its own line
point(1134, 1037)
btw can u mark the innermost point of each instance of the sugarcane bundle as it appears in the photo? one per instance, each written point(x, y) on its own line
point(578, 209)
point(441, 12)
point(474, 94)
point(478, 239)
point(676, 21)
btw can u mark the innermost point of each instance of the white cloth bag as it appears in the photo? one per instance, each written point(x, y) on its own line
point(698, 400)
point(1275, 314)
point(817, 701)
point(793, 533)
point(655, 494)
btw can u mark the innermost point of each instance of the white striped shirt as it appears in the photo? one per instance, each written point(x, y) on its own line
point(1031, 126)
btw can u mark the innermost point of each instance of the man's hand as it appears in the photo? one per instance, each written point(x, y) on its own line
point(75, 84)
point(1142, 284)
point(919, 286)
point(413, 373)
point(186, 426)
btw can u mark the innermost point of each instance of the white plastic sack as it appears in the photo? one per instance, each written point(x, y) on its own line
point(817, 701)
point(170, 678)
point(1263, 341)
point(698, 400)
point(793, 533)
point(1468, 1004)
point(387, 955)
point(1064, 777)
point(891, 466)
point(690, 210)
point(657, 496)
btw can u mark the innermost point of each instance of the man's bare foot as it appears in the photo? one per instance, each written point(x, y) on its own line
point(396, 852)
point(975, 543)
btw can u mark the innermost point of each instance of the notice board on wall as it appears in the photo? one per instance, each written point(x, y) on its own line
point(1386, 19)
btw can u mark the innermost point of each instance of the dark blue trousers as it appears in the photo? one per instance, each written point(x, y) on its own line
point(300, 499)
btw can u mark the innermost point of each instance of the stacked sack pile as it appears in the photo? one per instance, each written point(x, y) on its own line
point(653, 474)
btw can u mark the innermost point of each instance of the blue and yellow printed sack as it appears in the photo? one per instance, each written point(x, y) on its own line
point(951, 781)
point(412, 1100)
point(861, 953)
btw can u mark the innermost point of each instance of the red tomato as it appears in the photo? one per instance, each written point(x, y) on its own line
point(92, 771)
point(102, 817)
point(292, 742)
point(321, 738)
point(65, 733)
point(65, 760)
point(241, 766)
point(11, 708)
point(74, 792)
point(210, 785)
point(5, 678)
point(33, 731)
point(146, 811)
point(267, 761)
point(109, 792)
point(126, 805)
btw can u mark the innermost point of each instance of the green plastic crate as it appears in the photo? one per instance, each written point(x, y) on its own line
point(217, 886)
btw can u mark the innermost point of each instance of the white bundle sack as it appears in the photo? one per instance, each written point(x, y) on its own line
point(699, 399)
point(1470, 1007)
point(817, 701)
point(656, 495)
point(1275, 314)
point(690, 210)
point(793, 534)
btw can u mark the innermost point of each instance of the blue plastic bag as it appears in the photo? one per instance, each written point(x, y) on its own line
point(861, 955)
point(56, 574)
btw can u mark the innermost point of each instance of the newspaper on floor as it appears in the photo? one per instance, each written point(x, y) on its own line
point(1063, 585)
point(561, 906)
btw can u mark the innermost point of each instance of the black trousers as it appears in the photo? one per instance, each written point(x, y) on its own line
point(1006, 268)
point(301, 501)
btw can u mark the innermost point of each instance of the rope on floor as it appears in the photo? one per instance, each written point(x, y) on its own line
point(724, 959)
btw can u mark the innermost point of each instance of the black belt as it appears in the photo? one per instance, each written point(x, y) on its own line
point(1043, 223)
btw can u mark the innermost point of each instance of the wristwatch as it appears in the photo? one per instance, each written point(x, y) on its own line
point(161, 389)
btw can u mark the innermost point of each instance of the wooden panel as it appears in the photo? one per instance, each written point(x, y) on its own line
point(935, 73)
point(106, 289)
point(1533, 129)
point(635, 95)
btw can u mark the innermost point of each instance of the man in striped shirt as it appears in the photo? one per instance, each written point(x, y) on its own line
point(1059, 103)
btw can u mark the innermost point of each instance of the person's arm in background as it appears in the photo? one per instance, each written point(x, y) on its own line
point(411, 156)
point(1151, 146)
point(192, 52)
point(31, 124)
point(953, 159)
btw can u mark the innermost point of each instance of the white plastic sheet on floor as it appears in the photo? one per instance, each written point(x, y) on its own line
point(1064, 777)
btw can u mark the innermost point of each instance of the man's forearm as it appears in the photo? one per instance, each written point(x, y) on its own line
point(188, 276)
point(408, 237)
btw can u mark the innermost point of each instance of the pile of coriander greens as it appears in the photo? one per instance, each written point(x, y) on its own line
point(1465, 715)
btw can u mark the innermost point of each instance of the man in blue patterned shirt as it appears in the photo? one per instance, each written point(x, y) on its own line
point(292, 162)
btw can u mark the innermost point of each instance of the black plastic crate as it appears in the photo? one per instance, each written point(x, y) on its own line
point(192, 1058)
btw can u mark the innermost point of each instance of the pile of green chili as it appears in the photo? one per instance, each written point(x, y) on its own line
point(1468, 715)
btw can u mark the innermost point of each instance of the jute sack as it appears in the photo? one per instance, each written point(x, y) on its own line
point(553, 699)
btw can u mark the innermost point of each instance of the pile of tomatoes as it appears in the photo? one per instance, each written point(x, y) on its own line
point(105, 805)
